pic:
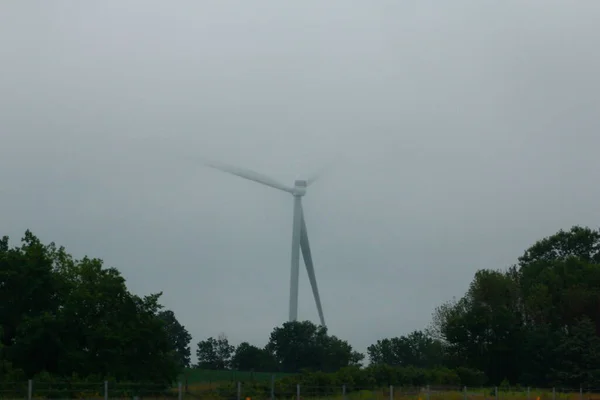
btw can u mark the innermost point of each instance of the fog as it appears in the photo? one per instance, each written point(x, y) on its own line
point(454, 135)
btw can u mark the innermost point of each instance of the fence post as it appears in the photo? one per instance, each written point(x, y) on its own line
point(528, 393)
point(298, 392)
point(496, 392)
point(427, 394)
point(179, 391)
point(465, 393)
point(105, 390)
point(553, 393)
point(580, 392)
point(29, 389)
point(391, 392)
point(272, 387)
point(343, 392)
point(239, 390)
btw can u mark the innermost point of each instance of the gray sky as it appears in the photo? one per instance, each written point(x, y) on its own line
point(461, 132)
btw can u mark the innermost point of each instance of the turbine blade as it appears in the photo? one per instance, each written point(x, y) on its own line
point(318, 174)
point(310, 268)
point(314, 178)
point(250, 175)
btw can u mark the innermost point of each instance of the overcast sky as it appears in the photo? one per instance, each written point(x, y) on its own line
point(459, 133)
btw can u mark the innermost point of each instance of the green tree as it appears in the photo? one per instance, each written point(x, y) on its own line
point(29, 297)
point(178, 336)
point(416, 349)
point(63, 316)
point(483, 330)
point(536, 323)
point(559, 281)
point(251, 358)
point(215, 353)
point(577, 356)
point(304, 345)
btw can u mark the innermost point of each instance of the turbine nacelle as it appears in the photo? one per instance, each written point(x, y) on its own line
point(300, 187)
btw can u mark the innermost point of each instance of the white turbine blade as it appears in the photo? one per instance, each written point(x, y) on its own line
point(314, 178)
point(250, 175)
point(310, 268)
point(318, 174)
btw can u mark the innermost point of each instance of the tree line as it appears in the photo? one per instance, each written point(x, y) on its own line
point(535, 323)
point(292, 347)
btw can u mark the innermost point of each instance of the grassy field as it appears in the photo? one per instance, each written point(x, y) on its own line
point(200, 382)
point(200, 390)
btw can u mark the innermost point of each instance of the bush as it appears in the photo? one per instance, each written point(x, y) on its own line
point(380, 376)
point(471, 377)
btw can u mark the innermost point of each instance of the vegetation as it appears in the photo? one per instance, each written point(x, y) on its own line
point(535, 324)
point(60, 316)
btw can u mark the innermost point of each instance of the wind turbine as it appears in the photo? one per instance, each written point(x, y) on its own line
point(299, 233)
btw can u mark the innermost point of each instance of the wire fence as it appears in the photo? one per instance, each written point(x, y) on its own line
point(250, 391)
point(31, 390)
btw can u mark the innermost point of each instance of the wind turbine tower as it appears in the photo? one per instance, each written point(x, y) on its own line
point(299, 233)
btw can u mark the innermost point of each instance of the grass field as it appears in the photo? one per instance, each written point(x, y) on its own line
point(200, 382)
point(200, 390)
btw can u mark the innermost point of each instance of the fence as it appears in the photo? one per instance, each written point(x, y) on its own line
point(275, 391)
point(31, 390)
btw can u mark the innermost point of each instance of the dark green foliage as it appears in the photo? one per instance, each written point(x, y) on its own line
point(251, 358)
point(354, 379)
point(197, 375)
point(303, 345)
point(177, 335)
point(215, 353)
point(537, 323)
point(416, 349)
point(62, 316)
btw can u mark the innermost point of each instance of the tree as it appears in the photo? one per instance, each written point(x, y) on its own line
point(179, 337)
point(578, 356)
point(559, 282)
point(537, 322)
point(251, 358)
point(303, 345)
point(579, 242)
point(215, 353)
point(417, 349)
point(63, 316)
point(483, 330)
point(28, 295)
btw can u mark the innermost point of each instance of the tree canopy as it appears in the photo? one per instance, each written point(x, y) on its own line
point(215, 353)
point(538, 321)
point(62, 316)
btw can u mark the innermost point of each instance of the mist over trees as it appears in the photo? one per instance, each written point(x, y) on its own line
point(536, 323)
